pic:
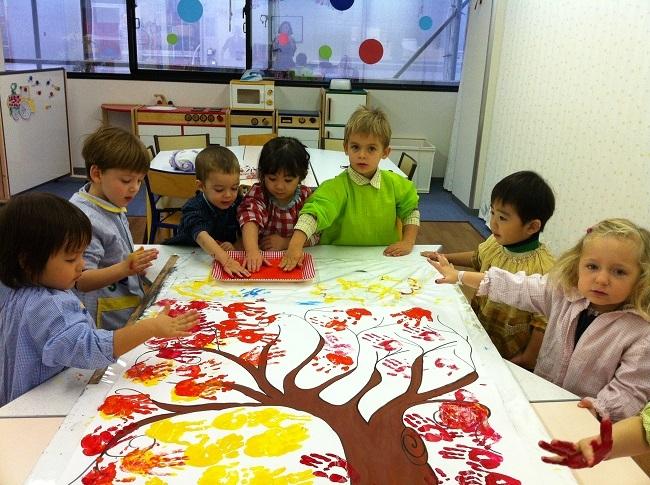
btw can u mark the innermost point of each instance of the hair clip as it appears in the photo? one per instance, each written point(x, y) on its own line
point(589, 229)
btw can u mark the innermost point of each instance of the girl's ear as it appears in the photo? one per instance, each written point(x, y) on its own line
point(533, 226)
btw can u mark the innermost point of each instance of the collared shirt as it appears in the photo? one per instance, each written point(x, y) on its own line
point(308, 223)
point(43, 331)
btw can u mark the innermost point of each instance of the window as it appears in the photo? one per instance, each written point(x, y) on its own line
point(405, 43)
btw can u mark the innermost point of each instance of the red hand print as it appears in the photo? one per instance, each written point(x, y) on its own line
point(571, 456)
point(325, 463)
point(428, 428)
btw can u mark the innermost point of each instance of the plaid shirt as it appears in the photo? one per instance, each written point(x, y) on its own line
point(271, 218)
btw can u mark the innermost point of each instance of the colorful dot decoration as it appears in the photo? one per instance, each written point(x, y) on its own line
point(341, 4)
point(172, 39)
point(425, 22)
point(189, 10)
point(325, 52)
point(371, 51)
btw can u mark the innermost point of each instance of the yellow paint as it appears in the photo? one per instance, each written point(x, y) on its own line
point(155, 481)
point(167, 431)
point(277, 441)
point(231, 420)
point(209, 452)
point(220, 475)
point(260, 475)
point(204, 289)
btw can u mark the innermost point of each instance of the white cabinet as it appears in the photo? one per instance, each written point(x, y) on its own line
point(217, 133)
point(423, 152)
point(309, 138)
point(337, 106)
point(146, 132)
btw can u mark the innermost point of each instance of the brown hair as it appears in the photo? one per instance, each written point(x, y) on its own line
point(215, 159)
point(112, 147)
point(368, 121)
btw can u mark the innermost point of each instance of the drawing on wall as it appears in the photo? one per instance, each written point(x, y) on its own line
point(287, 385)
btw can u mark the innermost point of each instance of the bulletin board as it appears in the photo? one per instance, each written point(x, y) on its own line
point(34, 137)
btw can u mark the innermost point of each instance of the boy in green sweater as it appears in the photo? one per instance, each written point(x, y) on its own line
point(360, 206)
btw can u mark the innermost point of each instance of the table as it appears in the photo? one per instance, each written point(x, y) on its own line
point(324, 164)
point(59, 449)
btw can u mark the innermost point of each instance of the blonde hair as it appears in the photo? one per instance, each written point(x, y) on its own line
point(215, 159)
point(368, 121)
point(565, 271)
point(113, 147)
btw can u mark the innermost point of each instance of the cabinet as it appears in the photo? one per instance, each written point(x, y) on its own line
point(337, 106)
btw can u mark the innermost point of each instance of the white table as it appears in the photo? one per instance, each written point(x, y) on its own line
point(324, 164)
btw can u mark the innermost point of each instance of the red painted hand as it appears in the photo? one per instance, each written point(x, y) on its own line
point(584, 454)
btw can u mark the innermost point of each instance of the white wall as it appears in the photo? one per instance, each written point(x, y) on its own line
point(413, 114)
point(571, 101)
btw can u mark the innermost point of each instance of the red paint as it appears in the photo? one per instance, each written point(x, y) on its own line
point(338, 359)
point(324, 463)
point(206, 390)
point(357, 313)
point(141, 372)
point(572, 457)
point(389, 345)
point(125, 406)
point(337, 325)
point(414, 316)
point(197, 305)
point(200, 340)
point(271, 272)
point(166, 302)
point(95, 444)
point(249, 336)
point(100, 476)
point(144, 461)
point(193, 371)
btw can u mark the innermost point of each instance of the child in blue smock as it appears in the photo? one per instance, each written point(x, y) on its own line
point(44, 328)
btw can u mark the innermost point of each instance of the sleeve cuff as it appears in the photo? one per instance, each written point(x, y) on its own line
point(307, 224)
point(413, 218)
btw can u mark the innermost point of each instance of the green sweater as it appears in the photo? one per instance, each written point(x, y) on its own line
point(349, 214)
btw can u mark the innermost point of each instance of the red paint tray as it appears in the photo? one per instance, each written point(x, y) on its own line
point(268, 273)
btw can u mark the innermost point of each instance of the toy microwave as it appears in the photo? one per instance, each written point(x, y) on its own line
point(252, 94)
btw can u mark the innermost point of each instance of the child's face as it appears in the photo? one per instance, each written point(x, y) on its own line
point(220, 189)
point(115, 185)
point(365, 152)
point(62, 269)
point(608, 270)
point(281, 186)
point(506, 225)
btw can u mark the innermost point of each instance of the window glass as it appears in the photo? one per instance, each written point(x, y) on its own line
point(189, 34)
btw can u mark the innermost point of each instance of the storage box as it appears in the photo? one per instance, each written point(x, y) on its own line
point(423, 152)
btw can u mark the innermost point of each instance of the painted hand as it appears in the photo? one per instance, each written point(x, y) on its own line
point(234, 268)
point(584, 454)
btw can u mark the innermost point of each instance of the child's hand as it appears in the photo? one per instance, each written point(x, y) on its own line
point(233, 268)
point(432, 255)
point(585, 453)
point(164, 326)
point(274, 242)
point(292, 257)
point(449, 274)
point(522, 361)
point(226, 246)
point(138, 261)
point(399, 248)
point(254, 261)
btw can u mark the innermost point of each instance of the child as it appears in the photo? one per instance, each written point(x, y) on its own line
point(360, 206)
point(210, 219)
point(270, 209)
point(597, 301)
point(110, 286)
point(521, 204)
point(630, 437)
point(44, 328)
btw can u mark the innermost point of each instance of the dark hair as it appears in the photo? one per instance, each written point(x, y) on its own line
point(528, 194)
point(112, 147)
point(35, 226)
point(215, 159)
point(283, 154)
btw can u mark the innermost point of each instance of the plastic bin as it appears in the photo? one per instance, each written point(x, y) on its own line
point(423, 152)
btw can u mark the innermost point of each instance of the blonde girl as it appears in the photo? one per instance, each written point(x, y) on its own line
point(597, 300)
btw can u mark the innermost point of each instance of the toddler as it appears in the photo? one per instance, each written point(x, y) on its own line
point(597, 301)
point(44, 328)
point(270, 209)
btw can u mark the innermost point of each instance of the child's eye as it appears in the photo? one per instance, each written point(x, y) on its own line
point(591, 266)
point(126, 181)
point(620, 272)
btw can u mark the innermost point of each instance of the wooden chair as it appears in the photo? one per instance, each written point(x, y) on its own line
point(407, 164)
point(256, 140)
point(181, 142)
point(165, 184)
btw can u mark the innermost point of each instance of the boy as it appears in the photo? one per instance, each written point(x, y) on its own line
point(210, 218)
point(360, 206)
point(109, 287)
point(521, 204)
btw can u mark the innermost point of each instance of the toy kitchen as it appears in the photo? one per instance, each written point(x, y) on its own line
point(301, 124)
point(181, 120)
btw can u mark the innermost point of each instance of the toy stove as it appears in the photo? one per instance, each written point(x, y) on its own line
point(301, 124)
point(182, 115)
point(250, 122)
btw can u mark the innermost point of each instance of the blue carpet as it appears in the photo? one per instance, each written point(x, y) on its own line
point(437, 205)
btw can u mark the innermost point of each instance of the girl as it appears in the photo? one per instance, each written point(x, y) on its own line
point(270, 209)
point(629, 437)
point(43, 326)
point(597, 301)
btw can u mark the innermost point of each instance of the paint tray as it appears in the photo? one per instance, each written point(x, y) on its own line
point(268, 273)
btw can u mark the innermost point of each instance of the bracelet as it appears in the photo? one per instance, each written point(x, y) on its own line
point(459, 277)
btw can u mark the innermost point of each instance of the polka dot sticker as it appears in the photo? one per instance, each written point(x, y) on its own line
point(172, 39)
point(283, 38)
point(325, 52)
point(190, 10)
point(425, 22)
point(371, 51)
point(342, 4)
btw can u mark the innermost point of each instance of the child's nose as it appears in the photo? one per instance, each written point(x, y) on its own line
point(602, 277)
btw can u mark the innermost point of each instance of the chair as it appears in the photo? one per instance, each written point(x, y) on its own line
point(407, 164)
point(165, 184)
point(151, 151)
point(256, 139)
point(181, 142)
